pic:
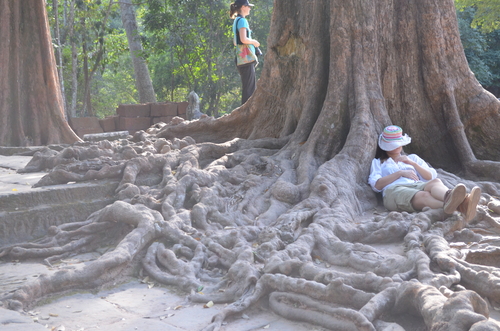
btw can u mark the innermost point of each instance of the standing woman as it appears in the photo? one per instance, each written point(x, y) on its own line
point(246, 60)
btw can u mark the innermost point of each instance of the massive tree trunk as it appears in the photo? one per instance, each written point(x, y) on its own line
point(275, 194)
point(398, 62)
point(31, 104)
point(142, 78)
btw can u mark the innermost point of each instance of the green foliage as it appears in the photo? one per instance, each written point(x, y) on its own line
point(116, 84)
point(189, 39)
point(482, 49)
point(487, 13)
point(187, 45)
point(192, 43)
point(101, 43)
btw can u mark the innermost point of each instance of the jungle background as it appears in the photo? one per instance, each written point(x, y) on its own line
point(187, 46)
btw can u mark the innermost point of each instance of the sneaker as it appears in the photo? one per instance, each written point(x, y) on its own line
point(453, 198)
point(469, 206)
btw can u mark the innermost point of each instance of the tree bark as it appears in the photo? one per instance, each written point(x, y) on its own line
point(74, 59)
point(59, 62)
point(87, 77)
point(31, 104)
point(142, 78)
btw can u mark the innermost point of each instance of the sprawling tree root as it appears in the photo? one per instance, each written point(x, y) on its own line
point(318, 313)
point(66, 238)
point(232, 223)
point(180, 273)
point(464, 310)
point(145, 223)
point(49, 159)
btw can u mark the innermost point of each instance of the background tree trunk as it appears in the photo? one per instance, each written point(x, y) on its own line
point(94, 52)
point(142, 78)
point(74, 58)
point(31, 103)
point(59, 58)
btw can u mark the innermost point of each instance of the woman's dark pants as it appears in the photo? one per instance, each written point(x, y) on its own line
point(247, 73)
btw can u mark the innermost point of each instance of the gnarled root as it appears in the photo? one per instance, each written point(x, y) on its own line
point(64, 239)
point(484, 169)
point(482, 279)
point(318, 313)
point(180, 274)
point(240, 279)
point(458, 312)
point(105, 268)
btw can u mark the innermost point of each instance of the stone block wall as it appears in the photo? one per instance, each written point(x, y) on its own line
point(130, 118)
point(133, 124)
point(130, 111)
point(85, 125)
point(110, 123)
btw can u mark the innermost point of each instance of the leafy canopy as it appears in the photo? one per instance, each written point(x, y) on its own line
point(480, 35)
point(487, 16)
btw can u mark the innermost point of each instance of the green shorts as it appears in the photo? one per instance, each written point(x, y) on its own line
point(398, 197)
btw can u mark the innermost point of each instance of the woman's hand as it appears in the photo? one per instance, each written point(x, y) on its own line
point(256, 43)
point(386, 180)
point(404, 159)
point(409, 174)
point(427, 175)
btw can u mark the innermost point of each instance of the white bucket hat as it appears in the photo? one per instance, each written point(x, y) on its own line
point(392, 138)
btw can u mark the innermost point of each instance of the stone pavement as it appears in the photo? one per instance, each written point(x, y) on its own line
point(133, 305)
point(11, 181)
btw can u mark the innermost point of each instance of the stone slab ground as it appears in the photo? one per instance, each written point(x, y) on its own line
point(132, 305)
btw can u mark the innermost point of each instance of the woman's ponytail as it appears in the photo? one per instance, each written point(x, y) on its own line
point(234, 10)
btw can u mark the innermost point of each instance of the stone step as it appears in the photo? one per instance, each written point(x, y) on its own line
point(27, 215)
